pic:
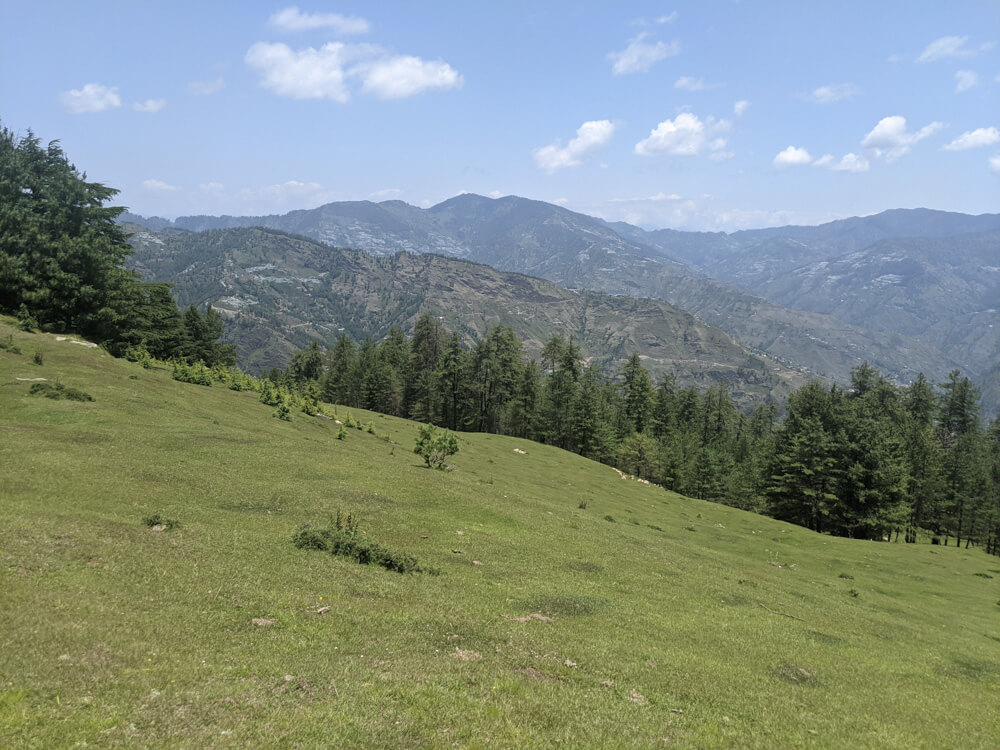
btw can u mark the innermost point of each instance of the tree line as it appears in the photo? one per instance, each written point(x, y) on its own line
point(869, 461)
point(62, 258)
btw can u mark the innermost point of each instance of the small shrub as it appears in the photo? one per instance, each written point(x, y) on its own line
point(345, 522)
point(434, 446)
point(983, 575)
point(38, 359)
point(59, 392)
point(610, 519)
point(354, 547)
point(9, 345)
point(140, 355)
point(196, 373)
point(854, 592)
point(654, 527)
point(157, 520)
point(25, 320)
point(342, 433)
point(283, 412)
point(371, 428)
point(269, 394)
point(582, 505)
point(847, 576)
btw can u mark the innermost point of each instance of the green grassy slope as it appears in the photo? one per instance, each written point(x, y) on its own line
point(681, 621)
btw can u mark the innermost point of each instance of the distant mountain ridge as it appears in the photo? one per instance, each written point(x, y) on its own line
point(744, 282)
point(280, 291)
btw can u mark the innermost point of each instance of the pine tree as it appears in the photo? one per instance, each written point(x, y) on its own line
point(638, 393)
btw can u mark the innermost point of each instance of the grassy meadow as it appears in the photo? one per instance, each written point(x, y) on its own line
point(643, 618)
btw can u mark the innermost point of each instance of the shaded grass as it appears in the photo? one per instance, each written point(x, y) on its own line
point(115, 636)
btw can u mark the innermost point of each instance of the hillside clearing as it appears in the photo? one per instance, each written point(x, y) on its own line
point(682, 622)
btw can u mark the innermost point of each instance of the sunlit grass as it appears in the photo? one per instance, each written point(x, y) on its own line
point(683, 621)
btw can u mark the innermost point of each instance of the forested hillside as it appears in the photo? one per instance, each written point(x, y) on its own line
point(870, 461)
point(581, 252)
point(280, 291)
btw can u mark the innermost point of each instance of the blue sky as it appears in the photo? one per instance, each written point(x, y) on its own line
point(702, 115)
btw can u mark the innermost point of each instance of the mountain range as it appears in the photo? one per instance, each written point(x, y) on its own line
point(280, 291)
point(906, 290)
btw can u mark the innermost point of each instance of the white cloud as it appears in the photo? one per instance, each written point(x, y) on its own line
point(792, 157)
point(661, 196)
point(965, 80)
point(150, 105)
point(211, 187)
point(204, 88)
point(974, 139)
point(303, 74)
point(833, 92)
point(495, 194)
point(561, 201)
point(403, 76)
point(685, 135)
point(687, 83)
point(91, 98)
point(950, 46)
point(890, 138)
point(159, 186)
point(994, 163)
point(385, 194)
point(590, 136)
point(640, 55)
point(323, 73)
point(669, 18)
point(740, 107)
point(292, 19)
point(847, 163)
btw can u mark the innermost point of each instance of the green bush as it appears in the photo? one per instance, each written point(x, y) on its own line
point(140, 355)
point(349, 544)
point(59, 392)
point(610, 518)
point(196, 373)
point(283, 412)
point(38, 359)
point(435, 446)
point(25, 320)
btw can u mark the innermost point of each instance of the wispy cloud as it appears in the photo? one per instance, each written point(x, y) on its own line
point(965, 80)
point(974, 139)
point(205, 88)
point(740, 107)
point(150, 106)
point(640, 55)
point(669, 18)
point(159, 186)
point(688, 83)
point(590, 136)
point(385, 194)
point(832, 92)
point(951, 46)
point(93, 97)
point(994, 162)
point(847, 163)
point(292, 19)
